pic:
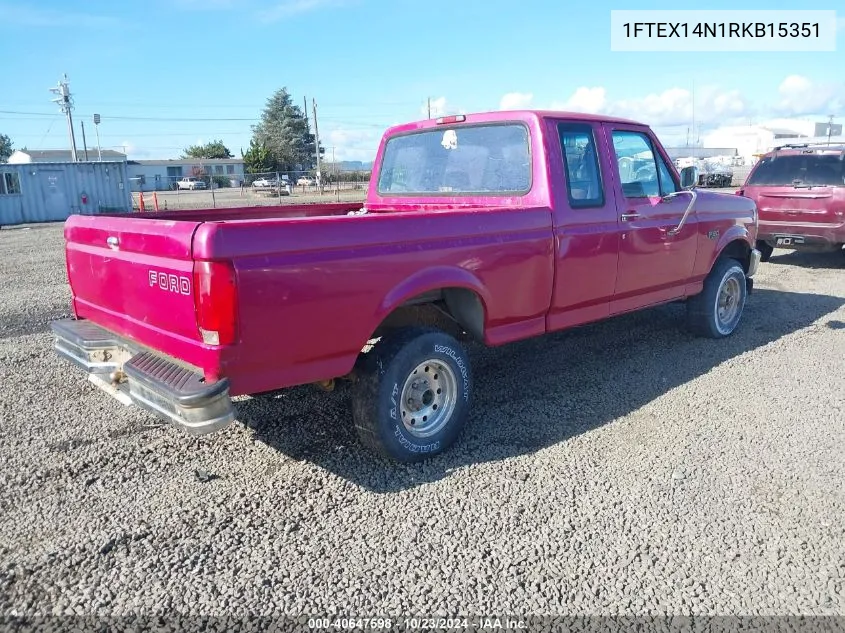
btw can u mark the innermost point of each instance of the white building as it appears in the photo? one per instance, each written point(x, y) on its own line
point(24, 156)
point(159, 175)
point(752, 140)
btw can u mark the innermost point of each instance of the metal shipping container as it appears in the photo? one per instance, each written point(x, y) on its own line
point(50, 192)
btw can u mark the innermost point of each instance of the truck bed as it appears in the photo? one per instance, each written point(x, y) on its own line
point(264, 212)
point(309, 284)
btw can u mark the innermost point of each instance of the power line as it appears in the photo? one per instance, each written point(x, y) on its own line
point(197, 119)
point(153, 134)
point(49, 127)
point(254, 106)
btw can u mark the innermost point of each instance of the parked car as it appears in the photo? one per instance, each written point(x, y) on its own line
point(280, 187)
point(800, 193)
point(191, 183)
point(497, 226)
point(305, 181)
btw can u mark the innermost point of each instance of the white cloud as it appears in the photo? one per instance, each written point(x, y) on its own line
point(588, 100)
point(516, 101)
point(672, 107)
point(800, 96)
point(437, 107)
point(292, 8)
point(351, 144)
point(133, 152)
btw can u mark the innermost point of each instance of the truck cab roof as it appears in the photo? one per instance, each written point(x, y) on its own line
point(508, 115)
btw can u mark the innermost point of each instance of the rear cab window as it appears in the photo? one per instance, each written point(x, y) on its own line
point(809, 170)
point(584, 184)
point(483, 159)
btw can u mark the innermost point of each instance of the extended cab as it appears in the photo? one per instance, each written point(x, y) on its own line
point(800, 193)
point(497, 226)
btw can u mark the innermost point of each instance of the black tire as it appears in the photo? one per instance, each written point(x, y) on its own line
point(390, 413)
point(704, 317)
point(765, 249)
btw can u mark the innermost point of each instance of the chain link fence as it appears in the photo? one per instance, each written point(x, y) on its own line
point(199, 191)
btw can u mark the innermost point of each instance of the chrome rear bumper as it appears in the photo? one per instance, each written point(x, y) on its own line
point(149, 380)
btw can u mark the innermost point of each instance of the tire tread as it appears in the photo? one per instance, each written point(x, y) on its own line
point(698, 311)
point(365, 398)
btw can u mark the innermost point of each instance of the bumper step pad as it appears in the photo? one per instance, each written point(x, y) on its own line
point(155, 383)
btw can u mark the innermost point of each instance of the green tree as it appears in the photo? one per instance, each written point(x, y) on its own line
point(283, 130)
point(5, 148)
point(214, 149)
point(257, 158)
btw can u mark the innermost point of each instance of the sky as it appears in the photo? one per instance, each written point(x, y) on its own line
point(166, 74)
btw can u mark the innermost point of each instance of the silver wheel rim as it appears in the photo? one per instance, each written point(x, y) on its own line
point(428, 398)
point(728, 304)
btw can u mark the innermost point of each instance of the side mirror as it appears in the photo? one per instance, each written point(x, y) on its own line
point(688, 178)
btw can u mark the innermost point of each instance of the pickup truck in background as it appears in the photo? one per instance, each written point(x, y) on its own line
point(799, 191)
point(496, 226)
point(190, 183)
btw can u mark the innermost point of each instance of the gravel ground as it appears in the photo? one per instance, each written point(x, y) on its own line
point(620, 468)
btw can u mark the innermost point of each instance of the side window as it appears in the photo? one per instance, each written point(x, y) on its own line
point(667, 182)
point(580, 161)
point(637, 165)
point(10, 183)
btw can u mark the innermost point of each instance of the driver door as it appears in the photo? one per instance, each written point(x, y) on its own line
point(654, 265)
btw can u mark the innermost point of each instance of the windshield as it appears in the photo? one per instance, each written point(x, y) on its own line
point(480, 159)
point(802, 170)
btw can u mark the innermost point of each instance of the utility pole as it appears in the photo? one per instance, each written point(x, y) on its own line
point(429, 107)
point(84, 142)
point(66, 105)
point(317, 147)
point(693, 114)
point(305, 108)
point(97, 129)
point(829, 129)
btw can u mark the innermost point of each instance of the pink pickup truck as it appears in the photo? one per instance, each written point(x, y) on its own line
point(496, 226)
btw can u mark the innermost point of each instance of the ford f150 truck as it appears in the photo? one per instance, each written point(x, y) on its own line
point(494, 226)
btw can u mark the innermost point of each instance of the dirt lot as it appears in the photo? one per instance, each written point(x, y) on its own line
point(624, 467)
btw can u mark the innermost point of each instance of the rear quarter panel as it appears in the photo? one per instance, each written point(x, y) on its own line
point(312, 291)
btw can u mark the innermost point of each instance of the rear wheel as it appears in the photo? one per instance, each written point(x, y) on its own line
point(716, 311)
point(413, 394)
point(765, 249)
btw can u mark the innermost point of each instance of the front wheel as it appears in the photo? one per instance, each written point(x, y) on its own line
point(413, 394)
point(715, 312)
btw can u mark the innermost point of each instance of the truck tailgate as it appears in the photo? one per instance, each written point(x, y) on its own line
point(133, 276)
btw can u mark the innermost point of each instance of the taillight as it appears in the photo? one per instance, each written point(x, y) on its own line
point(215, 300)
point(455, 118)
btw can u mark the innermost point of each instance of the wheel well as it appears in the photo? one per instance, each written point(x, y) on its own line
point(453, 310)
point(738, 250)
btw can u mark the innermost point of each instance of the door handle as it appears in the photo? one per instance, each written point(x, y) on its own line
point(627, 217)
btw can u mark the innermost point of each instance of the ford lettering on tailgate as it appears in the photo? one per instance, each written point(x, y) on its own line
point(169, 282)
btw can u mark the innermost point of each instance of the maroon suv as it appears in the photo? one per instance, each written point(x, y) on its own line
point(800, 196)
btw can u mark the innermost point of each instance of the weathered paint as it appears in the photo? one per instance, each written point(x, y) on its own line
point(313, 283)
point(51, 192)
